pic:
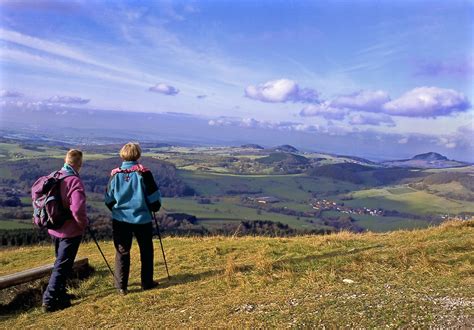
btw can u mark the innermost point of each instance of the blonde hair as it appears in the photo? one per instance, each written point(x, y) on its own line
point(131, 152)
point(74, 157)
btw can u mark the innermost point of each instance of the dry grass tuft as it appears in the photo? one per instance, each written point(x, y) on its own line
point(230, 269)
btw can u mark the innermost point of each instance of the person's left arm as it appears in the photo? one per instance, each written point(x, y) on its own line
point(109, 198)
point(152, 193)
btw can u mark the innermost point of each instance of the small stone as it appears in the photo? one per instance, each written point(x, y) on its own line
point(348, 281)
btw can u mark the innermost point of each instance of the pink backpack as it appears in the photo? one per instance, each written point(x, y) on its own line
point(48, 209)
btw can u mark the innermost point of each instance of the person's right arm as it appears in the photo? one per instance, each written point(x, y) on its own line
point(109, 198)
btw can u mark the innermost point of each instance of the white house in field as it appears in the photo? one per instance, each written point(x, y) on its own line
point(267, 200)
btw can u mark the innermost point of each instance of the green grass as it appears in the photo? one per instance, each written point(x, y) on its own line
point(421, 278)
point(14, 224)
point(400, 190)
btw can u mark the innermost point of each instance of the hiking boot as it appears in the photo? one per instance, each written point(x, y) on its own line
point(71, 296)
point(153, 285)
point(122, 292)
point(49, 308)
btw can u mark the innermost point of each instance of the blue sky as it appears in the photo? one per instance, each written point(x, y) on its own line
point(400, 69)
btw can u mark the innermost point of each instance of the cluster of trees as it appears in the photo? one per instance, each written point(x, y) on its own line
point(12, 201)
point(264, 228)
point(175, 224)
point(19, 237)
point(95, 174)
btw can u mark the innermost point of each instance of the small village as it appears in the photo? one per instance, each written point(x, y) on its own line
point(328, 205)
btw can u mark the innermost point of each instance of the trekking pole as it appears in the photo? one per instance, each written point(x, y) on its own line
point(161, 243)
point(100, 250)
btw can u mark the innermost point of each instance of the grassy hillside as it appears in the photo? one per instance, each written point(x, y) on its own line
point(403, 278)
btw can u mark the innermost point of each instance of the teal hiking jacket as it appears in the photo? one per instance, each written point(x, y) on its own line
point(132, 194)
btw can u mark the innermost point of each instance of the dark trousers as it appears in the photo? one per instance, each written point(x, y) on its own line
point(65, 250)
point(123, 233)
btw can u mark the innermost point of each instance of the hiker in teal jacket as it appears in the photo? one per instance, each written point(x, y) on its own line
point(132, 195)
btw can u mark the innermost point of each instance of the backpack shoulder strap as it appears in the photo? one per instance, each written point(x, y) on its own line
point(60, 175)
point(135, 168)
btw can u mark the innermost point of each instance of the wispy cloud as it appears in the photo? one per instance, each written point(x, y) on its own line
point(462, 68)
point(53, 48)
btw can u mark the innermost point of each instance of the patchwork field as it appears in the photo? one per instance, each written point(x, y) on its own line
point(212, 173)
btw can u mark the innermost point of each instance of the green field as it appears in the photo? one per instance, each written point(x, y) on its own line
point(417, 202)
point(384, 224)
point(15, 224)
point(228, 209)
point(290, 187)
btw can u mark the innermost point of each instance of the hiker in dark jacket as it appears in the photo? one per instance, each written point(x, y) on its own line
point(68, 237)
point(132, 195)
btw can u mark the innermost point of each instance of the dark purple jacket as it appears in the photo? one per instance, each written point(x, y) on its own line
point(74, 198)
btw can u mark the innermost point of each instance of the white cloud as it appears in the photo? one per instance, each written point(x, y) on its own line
point(68, 100)
point(463, 137)
point(427, 102)
point(163, 88)
point(403, 140)
point(8, 93)
point(263, 124)
point(281, 91)
point(323, 110)
point(369, 101)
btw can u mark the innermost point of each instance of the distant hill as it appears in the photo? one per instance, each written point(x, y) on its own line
point(341, 171)
point(282, 157)
point(359, 160)
point(252, 146)
point(426, 160)
point(430, 156)
point(285, 148)
point(454, 185)
point(364, 174)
